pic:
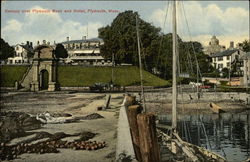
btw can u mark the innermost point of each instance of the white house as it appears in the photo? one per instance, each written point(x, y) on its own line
point(21, 54)
point(85, 52)
point(225, 59)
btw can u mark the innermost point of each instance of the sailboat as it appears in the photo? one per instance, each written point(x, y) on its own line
point(188, 149)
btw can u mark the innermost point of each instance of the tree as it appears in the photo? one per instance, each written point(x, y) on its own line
point(225, 72)
point(30, 54)
point(6, 50)
point(60, 51)
point(246, 45)
point(120, 38)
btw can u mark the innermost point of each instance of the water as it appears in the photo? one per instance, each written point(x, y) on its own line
point(226, 134)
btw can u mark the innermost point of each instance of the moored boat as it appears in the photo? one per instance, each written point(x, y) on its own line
point(215, 108)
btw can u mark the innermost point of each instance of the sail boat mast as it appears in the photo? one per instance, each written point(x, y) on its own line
point(175, 55)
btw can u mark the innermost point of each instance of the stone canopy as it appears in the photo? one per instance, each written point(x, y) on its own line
point(44, 52)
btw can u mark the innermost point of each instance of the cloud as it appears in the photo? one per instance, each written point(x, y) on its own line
point(230, 24)
point(13, 25)
point(46, 26)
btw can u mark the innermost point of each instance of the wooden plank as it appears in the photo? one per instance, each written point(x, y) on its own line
point(148, 139)
point(107, 102)
point(130, 100)
point(133, 111)
point(184, 148)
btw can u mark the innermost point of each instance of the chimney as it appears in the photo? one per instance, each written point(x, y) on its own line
point(67, 39)
point(37, 42)
point(54, 42)
point(231, 44)
point(31, 45)
point(84, 38)
point(28, 43)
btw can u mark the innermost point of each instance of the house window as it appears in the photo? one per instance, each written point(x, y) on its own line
point(17, 48)
point(215, 59)
point(220, 66)
point(228, 57)
point(228, 64)
point(220, 58)
point(10, 61)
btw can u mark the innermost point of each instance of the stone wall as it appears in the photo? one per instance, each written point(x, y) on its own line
point(205, 96)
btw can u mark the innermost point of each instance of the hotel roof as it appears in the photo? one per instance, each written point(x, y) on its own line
point(83, 40)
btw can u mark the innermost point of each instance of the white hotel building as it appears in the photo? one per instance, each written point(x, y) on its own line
point(85, 52)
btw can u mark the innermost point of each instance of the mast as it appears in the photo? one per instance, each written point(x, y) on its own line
point(140, 65)
point(175, 55)
point(112, 78)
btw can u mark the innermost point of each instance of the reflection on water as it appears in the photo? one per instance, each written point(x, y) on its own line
point(226, 134)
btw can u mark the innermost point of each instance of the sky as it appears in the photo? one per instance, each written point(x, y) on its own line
point(23, 21)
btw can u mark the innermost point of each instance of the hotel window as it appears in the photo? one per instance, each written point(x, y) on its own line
point(228, 57)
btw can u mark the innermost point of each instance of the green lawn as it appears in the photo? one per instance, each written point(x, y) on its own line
point(86, 76)
point(10, 74)
point(74, 76)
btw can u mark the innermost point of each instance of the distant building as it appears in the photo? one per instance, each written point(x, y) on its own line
point(246, 68)
point(21, 54)
point(226, 58)
point(213, 47)
point(85, 52)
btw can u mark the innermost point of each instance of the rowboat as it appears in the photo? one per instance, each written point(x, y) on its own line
point(215, 108)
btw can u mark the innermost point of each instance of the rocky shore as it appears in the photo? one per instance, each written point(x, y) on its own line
point(82, 134)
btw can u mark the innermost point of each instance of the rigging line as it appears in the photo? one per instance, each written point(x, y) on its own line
point(179, 69)
point(198, 68)
point(207, 139)
point(140, 65)
point(197, 65)
point(143, 54)
point(185, 49)
point(164, 23)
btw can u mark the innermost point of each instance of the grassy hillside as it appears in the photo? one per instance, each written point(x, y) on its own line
point(86, 76)
point(74, 76)
point(10, 74)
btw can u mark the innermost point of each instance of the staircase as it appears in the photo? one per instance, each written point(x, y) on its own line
point(27, 78)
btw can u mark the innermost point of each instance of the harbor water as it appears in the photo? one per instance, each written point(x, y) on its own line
point(226, 134)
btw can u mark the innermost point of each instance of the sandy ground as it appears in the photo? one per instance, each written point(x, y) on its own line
point(77, 104)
